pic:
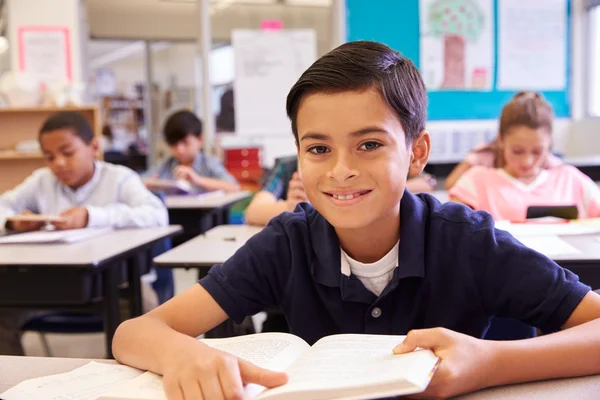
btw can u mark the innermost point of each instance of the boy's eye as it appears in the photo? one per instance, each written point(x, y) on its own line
point(318, 150)
point(369, 146)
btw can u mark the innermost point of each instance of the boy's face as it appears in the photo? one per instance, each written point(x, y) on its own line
point(354, 158)
point(525, 150)
point(69, 157)
point(185, 150)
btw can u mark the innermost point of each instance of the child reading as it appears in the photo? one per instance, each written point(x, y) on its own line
point(82, 191)
point(525, 139)
point(367, 256)
point(183, 133)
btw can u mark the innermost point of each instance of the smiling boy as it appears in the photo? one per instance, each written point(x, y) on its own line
point(366, 256)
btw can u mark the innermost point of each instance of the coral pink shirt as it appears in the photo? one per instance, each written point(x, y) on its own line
point(506, 198)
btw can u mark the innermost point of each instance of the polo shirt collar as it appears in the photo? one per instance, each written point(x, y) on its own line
point(326, 266)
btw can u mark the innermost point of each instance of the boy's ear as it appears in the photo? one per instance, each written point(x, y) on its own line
point(95, 145)
point(421, 146)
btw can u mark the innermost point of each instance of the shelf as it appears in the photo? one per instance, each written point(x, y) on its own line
point(16, 155)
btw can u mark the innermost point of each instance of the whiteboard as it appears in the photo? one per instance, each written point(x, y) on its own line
point(267, 64)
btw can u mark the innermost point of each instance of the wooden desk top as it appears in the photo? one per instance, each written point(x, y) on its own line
point(88, 253)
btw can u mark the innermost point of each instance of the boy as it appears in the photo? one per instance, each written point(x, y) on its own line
point(366, 256)
point(183, 133)
point(85, 192)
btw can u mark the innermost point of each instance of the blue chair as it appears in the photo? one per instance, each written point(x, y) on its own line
point(74, 323)
point(509, 329)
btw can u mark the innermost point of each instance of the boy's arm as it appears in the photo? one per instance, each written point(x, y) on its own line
point(19, 199)
point(136, 207)
point(212, 184)
point(470, 364)
point(150, 341)
point(575, 351)
point(264, 207)
point(164, 341)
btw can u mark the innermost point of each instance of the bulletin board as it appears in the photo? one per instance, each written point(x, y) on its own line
point(396, 23)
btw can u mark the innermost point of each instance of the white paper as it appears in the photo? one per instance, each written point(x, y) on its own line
point(45, 55)
point(532, 41)
point(67, 236)
point(549, 245)
point(267, 64)
point(85, 383)
point(457, 44)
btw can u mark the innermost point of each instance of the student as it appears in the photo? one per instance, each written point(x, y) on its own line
point(489, 155)
point(283, 190)
point(367, 256)
point(85, 192)
point(183, 133)
point(525, 139)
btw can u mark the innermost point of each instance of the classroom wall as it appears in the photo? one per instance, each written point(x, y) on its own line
point(172, 61)
point(453, 129)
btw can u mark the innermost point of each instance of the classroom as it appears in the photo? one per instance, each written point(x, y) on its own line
point(299, 199)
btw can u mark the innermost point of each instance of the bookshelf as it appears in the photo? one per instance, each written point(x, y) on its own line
point(20, 124)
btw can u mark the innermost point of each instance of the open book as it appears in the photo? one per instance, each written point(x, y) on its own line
point(169, 186)
point(336, 367)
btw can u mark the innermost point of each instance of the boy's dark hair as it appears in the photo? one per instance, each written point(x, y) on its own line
point(69, 120)
point(362, 65)
point(528, 109)
point(180, 124)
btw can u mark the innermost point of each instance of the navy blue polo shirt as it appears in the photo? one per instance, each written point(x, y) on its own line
point(455, 270)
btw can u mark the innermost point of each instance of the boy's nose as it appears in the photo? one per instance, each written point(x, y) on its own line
point(342, 170)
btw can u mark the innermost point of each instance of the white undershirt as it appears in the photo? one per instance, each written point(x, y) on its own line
point(374, 276)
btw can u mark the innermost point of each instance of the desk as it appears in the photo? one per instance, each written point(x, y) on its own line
point(197, 214)
point(200, 252)
point(82, 276)
point(14, 370)
point(587, 264)
point(239, 233)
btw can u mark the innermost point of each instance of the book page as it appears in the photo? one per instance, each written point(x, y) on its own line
point(341, 362)
point(274, 351)
point(84, 383)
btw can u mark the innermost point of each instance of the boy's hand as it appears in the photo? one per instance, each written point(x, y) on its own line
point(74, 218)
point(295, 193)
point(24, 226)
point(464, 360)
point(205, 373)
point(184, 173)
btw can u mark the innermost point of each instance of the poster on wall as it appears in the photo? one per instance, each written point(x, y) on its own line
point(267, 64)
point(532, 44)
point(457, 44)
point(45, 54)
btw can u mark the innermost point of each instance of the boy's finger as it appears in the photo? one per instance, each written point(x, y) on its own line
point(250, 373)
point(423, 338)
point(231, 382)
